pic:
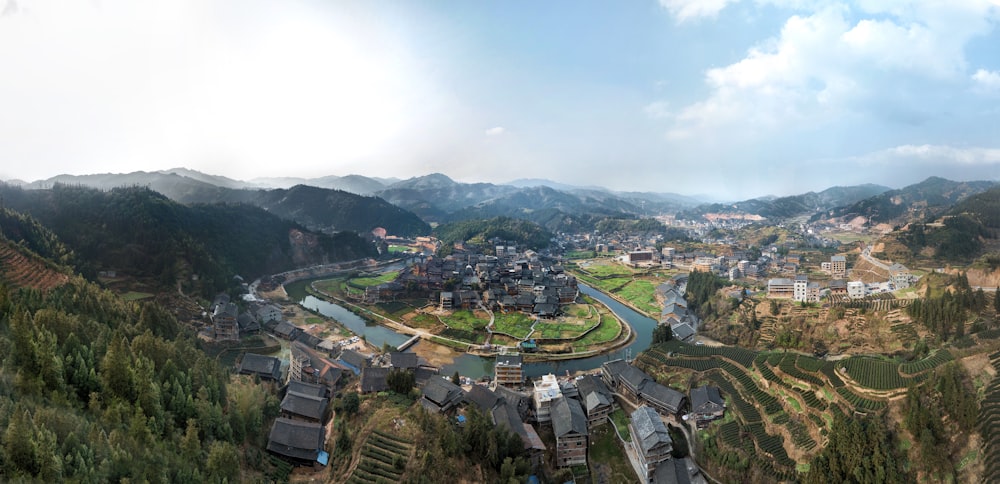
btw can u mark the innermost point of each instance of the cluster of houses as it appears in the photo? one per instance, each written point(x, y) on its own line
point(801, 289)
point(299, 433)
point(675, 313)
point(508, 281)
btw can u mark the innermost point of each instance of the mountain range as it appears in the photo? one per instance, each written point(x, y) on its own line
point(407, 207)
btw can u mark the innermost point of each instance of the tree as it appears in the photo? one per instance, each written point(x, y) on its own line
point(996, 301)
point(662, 333)
point(400, 381)
point(223, 462)
point(456, 378)
point(350, 403)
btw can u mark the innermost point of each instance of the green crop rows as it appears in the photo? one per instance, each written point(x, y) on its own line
point(378, 459)
point(939, 358)
point(876, 374)
point(861, 403)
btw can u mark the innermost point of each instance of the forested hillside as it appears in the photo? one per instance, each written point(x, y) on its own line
point(141, 233)
point(506, 228)
point(95, 389)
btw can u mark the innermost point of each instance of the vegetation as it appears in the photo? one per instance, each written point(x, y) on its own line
point(141, 233)
point(481, 231)
point(97, 389)
point(860, 449)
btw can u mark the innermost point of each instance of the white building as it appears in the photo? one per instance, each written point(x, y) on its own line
point(547, 393)
point(856, 290)
point(800, 288)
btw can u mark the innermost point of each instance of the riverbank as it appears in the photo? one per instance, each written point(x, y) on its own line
point(624, 337)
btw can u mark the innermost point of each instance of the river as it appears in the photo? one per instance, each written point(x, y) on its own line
point(477, 366)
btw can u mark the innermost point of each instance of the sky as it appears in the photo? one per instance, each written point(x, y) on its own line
point(729, 98)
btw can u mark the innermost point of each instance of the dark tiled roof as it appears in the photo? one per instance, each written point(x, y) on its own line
point(263, 366)
point(374, 380)
point(304, 405)
point(659, 394)
point(568, 417)
point(299, 440)
point(482, 397)
point(614, 368)
point(701, 397)
point(649, 429)
point(354, 358)
point(307, 388)
point(442, 392)
point(633, 377)
point(672, 471)
point(505, 415)
point(398, 359)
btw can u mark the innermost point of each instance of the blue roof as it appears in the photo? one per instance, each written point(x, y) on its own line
point(461, 419)
point(323, 458)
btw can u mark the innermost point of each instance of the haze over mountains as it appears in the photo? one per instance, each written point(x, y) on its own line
point(406, 207)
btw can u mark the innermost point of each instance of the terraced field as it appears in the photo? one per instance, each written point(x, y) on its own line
point(383, 459)
point(791, 394)
point(24, 270)
point(989, 425)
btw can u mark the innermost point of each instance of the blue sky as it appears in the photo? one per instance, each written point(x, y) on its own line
point(732, 98)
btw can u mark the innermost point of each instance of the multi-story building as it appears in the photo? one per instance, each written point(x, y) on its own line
point(224, 319)
point(570, 427)
point(900, 276)
point(838, 266)
point(547, 394)
point(856, 290)
point(799, 287)
point(650, 440)
point(508, 371)
point(780, 288)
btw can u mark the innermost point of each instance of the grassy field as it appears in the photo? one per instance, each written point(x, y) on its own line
point(517, 325)
point(465, 320)
point(606, 450)
point(607, 331)
point(394, 249)
point(620, 420)
point(581, 254)
point(555, 330)
point(609, 270)
point(641, 294)
point(374, 281)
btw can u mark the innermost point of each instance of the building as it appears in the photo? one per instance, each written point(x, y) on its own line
point(780, 288)
point(307, 407)
point(707, 404)
point(799, 288)
point(639, 257)
point(546, 395)
point(650, 440)
point(598, 401)
point(838, 286)
point(374, 379)
point(403, 361)
point(441, 395)
point(900, 276)
point(570, 427)
point(508, 371)
point(225, 319)
point(856, 290)
point(838, 266)
point(264, 367)
point(269, 312)
point(299, 442)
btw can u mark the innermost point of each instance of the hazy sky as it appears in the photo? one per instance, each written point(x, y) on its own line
point(726, 97)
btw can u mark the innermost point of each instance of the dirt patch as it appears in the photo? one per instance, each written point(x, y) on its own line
point(435, 354)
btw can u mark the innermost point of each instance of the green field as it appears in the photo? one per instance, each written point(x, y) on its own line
point(374, 281)
point(605, 449)
point(517, 325)
point(609, 270)
point(607, 331)
point(620, 420)
point(394, 249)
point(465, 320)
point(136, 296)
point(641, 293)
point(554, 330)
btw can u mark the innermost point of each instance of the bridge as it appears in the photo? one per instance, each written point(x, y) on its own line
point(408, 343)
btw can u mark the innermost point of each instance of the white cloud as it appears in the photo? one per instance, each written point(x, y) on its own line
point(496, 131)
point(838, 61)
point(935, 154)
point(684, 10)
point(988, 81)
